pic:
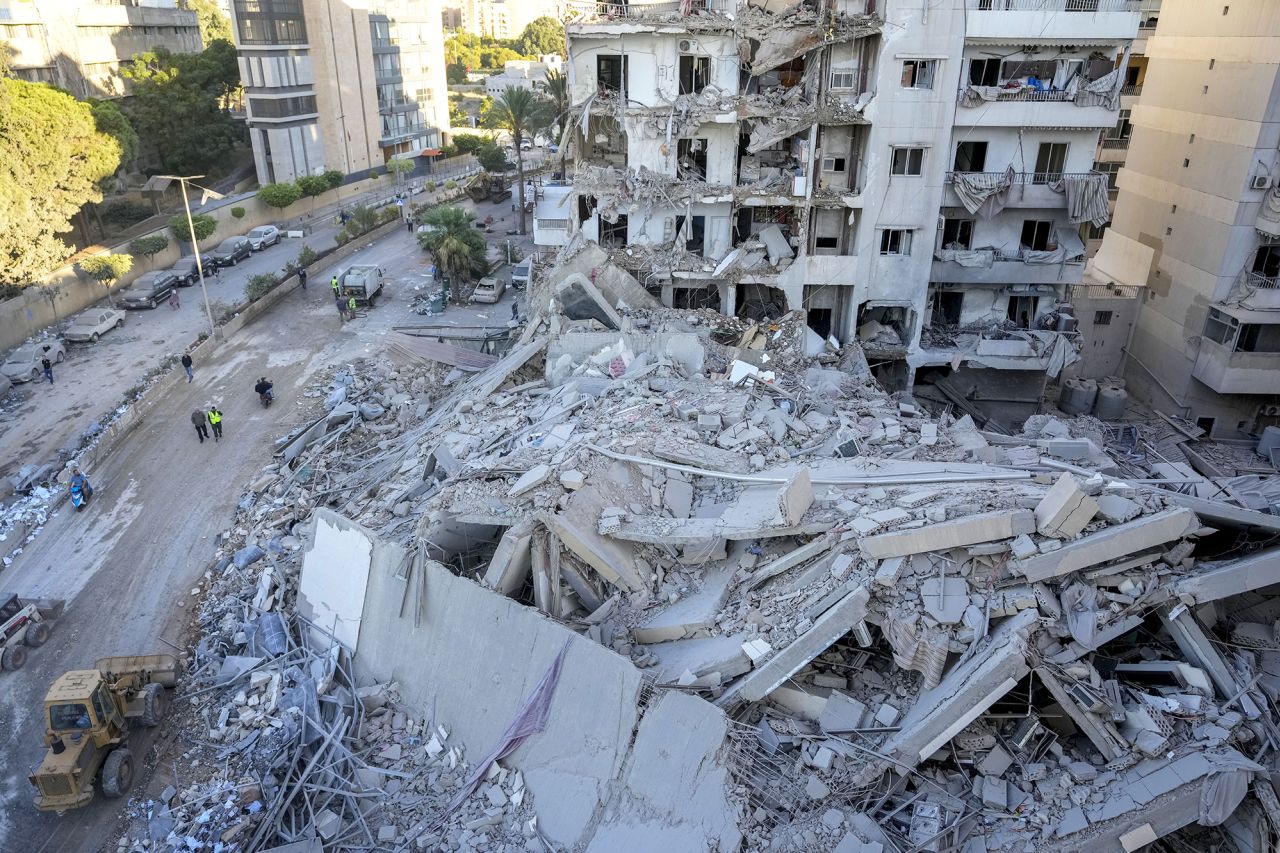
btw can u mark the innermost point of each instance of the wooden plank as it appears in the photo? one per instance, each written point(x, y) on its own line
point(428, 350)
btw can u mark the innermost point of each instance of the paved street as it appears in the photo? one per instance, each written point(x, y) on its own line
point(127, 561)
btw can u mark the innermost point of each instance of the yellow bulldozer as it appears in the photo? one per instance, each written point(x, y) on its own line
point(87, 716)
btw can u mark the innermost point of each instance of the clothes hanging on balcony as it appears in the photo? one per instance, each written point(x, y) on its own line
point(971, 258)
point(1103, 92)
point(984, 191)
point(1069, 248)
point(976, 96)
point(1086, 197)
point(1268, 221)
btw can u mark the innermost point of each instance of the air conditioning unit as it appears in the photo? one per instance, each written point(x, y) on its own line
point(1262, 182)
point(689, 46)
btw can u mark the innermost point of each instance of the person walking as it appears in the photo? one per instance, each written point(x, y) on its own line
point(215, 421)
point(186, 365)
point(351, 307)
point(198, 421)
point(408, 223)
point(48, 368)
point(342, 308)
point(302, 278)
point(174, 302)
point(333, 283)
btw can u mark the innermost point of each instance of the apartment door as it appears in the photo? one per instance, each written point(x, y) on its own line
point(1051, 159)
point(1022, 310)
point(1037, 234)
point(970, 157)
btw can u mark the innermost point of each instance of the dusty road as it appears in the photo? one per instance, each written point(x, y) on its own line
point(162, 500)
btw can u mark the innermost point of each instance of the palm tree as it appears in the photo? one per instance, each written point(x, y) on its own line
point(556, 89)
point(521, 112)
point(459, 250)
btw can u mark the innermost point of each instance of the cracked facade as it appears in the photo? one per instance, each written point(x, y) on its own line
point(919, 179)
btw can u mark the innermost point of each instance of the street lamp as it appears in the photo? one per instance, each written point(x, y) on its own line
point(195, 246)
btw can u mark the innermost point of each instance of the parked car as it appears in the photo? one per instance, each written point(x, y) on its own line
point(526, 145)
point(520, 274)
point(230, 252)
point(23, 364)
point(552, 147)
point(488, 290)
point(185, 270)
point(262, 237)
point(149, 290)
point(90, 325)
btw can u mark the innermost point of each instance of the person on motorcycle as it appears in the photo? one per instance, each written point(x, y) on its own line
point(264, 389)
point(78, 482)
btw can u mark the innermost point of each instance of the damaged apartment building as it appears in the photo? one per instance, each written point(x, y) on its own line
point(913, 174)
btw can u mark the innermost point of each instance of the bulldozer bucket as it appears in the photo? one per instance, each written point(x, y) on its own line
point(159, 669)
point(51, 608)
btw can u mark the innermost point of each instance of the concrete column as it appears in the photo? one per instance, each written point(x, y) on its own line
point(728, 298)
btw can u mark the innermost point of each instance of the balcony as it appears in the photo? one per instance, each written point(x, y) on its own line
point(588, 12)
point(1024, 349)
point(1130, 91)
point(1115, 143)
point(1072, 21)
point(994, 106)
point(1230, 372)
point(1064, 265)
point(1029, 189)
point(1260, 291)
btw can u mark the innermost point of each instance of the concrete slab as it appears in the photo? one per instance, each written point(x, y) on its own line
point(693, 615)
point(335, 574)
point(841, 713)
point(945, 598)
point(1215, 582)
point(701, 656)
point(581, 300)
point(1112, 543)
point(511, 562)
point(1065, 509)
point(795, 497)
point(985, 527)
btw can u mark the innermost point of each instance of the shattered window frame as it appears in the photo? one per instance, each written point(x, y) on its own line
point(919, 73)
point(960, 229)
point(696, 77)
point(838, 164)
point(895, 241)
point(1221, 328)
point(907, 161)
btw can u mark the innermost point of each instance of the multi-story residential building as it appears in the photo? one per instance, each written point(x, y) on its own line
point(1197, 220)
point(524, 74)
point(915, 176)
point(334, 84)
point(79, 45)
point(501, 19)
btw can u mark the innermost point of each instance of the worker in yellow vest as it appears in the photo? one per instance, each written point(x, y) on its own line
point(351, 307)
point(215, 421)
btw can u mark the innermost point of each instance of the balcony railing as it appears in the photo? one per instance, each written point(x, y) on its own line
point(1024, 177)
point(1052, 5)
point(587, 8)
point(1115, 143)
point(1259, 281)
point(1131, 90)
point(1024, 95)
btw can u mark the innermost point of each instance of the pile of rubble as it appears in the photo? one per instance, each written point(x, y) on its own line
point(918, 635)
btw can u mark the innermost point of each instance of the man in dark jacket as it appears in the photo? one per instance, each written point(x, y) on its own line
point(186, 365)
point(198, 421)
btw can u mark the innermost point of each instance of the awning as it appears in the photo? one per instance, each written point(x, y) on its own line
point(430, 152)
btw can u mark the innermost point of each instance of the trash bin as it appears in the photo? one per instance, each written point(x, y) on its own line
point(437, 302)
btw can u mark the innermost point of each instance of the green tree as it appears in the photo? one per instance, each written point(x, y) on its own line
point(542, 35)
point(52, 162)
point(333, 178)
point(556, 91)
point(458, 117)
point(150, 246)
point(214, 24)
point(280, 195)
point(109, 120)
point(204, 226)
point(492, 158)
point(523, 113)
point(106, 269)
point(363, 220)
point(399, 167)
point(458, 248)
point(468, 143)
point(312, 185)
point(179, 107)
point(455, 73)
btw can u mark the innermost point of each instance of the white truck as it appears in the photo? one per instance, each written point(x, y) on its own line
point(363, 281)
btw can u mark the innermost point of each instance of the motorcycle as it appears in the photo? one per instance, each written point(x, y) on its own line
point(81, 491)
point(265, 399)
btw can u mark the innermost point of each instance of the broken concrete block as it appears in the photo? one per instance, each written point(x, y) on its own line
point(1098, 548)
point(678, 498)
point(327, 824)
point(757, 650)
point(995, 794)
point(529, 480)
point(816, 789)
point(795, 497)
point(1065, 509)
point(738, 435)
point(511, 561)
point(945, 598)
point(1136, 839)
point(842, 713)
point(995, 762)
point(985, 527)
point(805, 702)
point(888, 572)
point(572, 479)
point(1073, 821)
point(387, 833)
point(1023, 547)
point(1116, 509)
point(710, 423)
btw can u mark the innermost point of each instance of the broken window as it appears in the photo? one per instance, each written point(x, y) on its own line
point(1051, 158)
point(1037, 234)
point(695, 237)
point(613, 235)
point(947, 307)
point(833, 164)
point(957, 233)
point(842, 78)
point(895, 241)
point(984, 72)
point(691, 159)
point(1258, 337)
point(819, 319)
point(907, 161)
point(918, 73)
point(611, 73)
point(695, 74)
point(586, 207)
point(971, 157)
point(1123, 128)
point(1022, 310)
point(1221, 328)
point(1266, 261)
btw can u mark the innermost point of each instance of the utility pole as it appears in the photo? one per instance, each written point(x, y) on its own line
point(195, 246)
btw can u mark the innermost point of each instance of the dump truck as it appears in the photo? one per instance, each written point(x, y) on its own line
point(363, 281)
point(87, 717)
point(24, 624)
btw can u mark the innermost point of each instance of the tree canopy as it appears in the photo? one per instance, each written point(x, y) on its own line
point(459, 250)
point(280, 195)
point(491, 157)
point(109, 120)
point(214, 24)
point(523, 113)
point(476, 53)
point(203, 223)
point(53, 159)
point(179, 106)
point(542, 35)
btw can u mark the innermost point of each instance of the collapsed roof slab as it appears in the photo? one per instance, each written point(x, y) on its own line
point(969, 689)
point(1098, 548)
point(511, 562)
point(655, 530)
point(829, 627)
point(1200, 651)
point(970, 530)
point(1213, 583)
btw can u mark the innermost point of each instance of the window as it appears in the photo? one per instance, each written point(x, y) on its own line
point(918, 73)
point(833, 164)
point(947, 308)
point(270, 21)
point(1212, 62)
point(895, 241)
point(611, 73)
point(1022, 310)
point(1221, 328)
point(971, 157)
point(957, 233)
point(1110, 169)
point(907, 161)
point(984, 72)
point(282, 107)
point(1102, 318)
point(613, 235)
point(1095, 232)
point(1123, 128)
point(1050, 160)
point(1037, 234)
point(1186, 162)
point(1266, 261)
point(695, 237)
point(826, 243)
point(695, 74)
point(1256, 337)
point(691, 159)
point(842, 78)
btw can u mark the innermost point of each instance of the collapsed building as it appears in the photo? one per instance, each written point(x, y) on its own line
point(915, 176)
point(655, 579)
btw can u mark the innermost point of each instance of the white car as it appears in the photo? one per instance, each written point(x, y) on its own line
point(23, 364)
point(93, 324)
point(263, 236)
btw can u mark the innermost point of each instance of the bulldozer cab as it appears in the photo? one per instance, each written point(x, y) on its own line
point(81, 703)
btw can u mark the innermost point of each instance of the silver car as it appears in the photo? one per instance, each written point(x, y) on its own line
point(263, 236)
point(93, 324)
point(23, 364)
